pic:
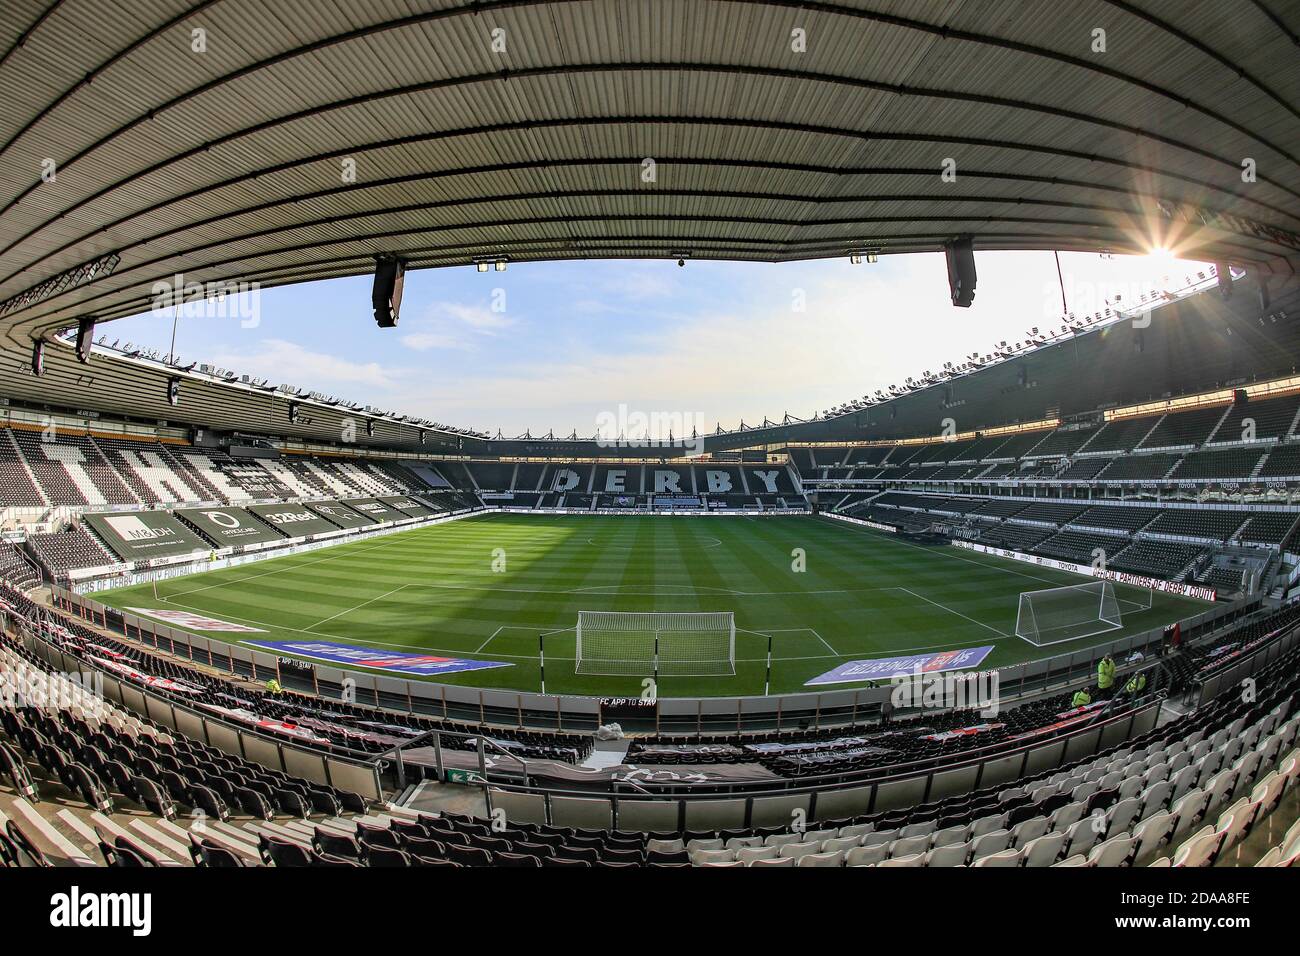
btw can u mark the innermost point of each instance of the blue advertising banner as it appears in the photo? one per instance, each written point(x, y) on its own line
point(398, 662)
point(884, 668)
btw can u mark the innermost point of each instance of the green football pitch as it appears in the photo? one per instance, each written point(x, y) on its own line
point(487, 587)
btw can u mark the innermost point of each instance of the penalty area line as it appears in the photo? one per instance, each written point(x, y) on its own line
point(958, 613)
point(357, 608)
point(795, 630)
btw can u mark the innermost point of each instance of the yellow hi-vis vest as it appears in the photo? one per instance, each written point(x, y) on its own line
point(1105, 673)
point(1081, 699)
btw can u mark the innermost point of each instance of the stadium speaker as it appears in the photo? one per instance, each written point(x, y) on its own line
point(173, 391)
point(38, 358)
point(1223, 272)
point(1240, 396)
point(85, 336)
point(1265, 295)
point(961, 271)
point(386, 296)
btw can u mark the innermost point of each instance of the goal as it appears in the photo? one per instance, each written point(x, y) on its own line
point(1053, 615)
point(649, 643)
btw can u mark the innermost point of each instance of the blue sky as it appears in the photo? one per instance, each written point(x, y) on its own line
point(556, 345)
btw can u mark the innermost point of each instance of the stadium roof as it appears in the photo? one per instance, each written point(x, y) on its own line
point(126, 157)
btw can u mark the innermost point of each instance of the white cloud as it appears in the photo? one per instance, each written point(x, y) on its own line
point(719, 342)
point(454, 325)
point(864, 328)
point(287, 362)
point(425, 341)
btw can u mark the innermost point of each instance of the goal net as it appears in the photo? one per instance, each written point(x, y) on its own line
point(646, 643)
point(1053, 615)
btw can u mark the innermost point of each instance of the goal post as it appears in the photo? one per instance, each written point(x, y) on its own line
point(1133, 597)
point(1055, 615)
point(646, 643)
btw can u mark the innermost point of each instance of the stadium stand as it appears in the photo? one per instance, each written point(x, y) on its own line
point(1197, 523)
point(1227, 756)
point(1269, 528)
point(1282, 462)
point(1080, 547)
point(1120, 434)
point(1184, 429)
point(1083, 469)
point(20, 489)
point(69, 550)
point(1120, 519)
point(1259, 420)
point(15, 568)
point(1138, 468)
point(1161, 559)
point(1013, 537)
point(1234, 464)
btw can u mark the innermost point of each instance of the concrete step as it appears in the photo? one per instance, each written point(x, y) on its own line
point(61, 845)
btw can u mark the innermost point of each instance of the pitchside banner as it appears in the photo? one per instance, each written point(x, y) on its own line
point(229, 527)
point(297, 521)
point(374, 508)
point(885, 668)
point(425, 665)
point(1197, 591)
point(412, 507)
point(341, 515)
point(195, 622)
point(144, 535)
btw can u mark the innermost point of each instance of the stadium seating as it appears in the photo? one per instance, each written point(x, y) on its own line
point(1161, 559)
point(1230, 464)
point(1184, 429)
point(1223, 579)
point(57, 484)
point(1282, 462)
point(20, 491)
point(1259, 420)
point(71, 470)
point(15, 568)
point(1083, 469)
point(1054, 513)
point(151, 473)
point(91, 773)
point(1269, 528)
point(1120, 519)
point(1138, 468)
point(1153, 792)
point(1080, 547)
point(865, 455)
point(1013, 537)
point(1197, 523)
point(1061, 443)
point(1020, 445)
point(1121, 434)
point(68, 550)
